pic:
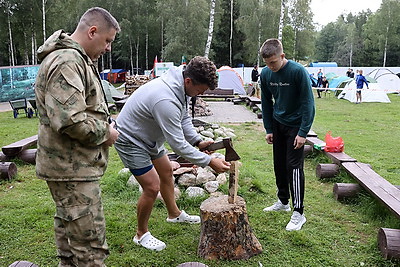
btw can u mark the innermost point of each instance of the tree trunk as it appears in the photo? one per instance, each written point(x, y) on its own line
point(231, 36)
point(44, 19)
point(8, 170)
point(11, 47)
point(281, 20)
point(210, 29)
point(225, 231)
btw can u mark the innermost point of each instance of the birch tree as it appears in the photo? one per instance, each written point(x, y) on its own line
point(210, 28)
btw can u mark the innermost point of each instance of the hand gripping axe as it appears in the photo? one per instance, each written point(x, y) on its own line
point(232, 157)
point(230, 153)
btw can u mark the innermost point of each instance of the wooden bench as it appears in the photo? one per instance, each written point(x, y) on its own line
point(377, 186)
point(372, 182)
point(14, 149)
point(337, 158)
point(252, 101)
point(218, 93)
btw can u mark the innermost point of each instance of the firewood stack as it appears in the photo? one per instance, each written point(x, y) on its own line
point(134, 82)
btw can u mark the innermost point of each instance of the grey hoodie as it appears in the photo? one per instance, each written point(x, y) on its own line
point(157, 113)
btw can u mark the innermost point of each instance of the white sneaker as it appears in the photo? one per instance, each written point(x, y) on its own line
point(278, 206)
point(296, 221)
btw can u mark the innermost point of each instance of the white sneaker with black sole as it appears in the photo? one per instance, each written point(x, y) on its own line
point(277, 206)
point(296, 221)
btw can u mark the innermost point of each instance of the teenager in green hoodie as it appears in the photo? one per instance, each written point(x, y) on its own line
point(288, 112)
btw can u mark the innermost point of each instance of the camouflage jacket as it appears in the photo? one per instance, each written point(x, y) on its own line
point(73, 113)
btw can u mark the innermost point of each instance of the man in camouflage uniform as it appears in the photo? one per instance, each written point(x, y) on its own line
point(74, 135)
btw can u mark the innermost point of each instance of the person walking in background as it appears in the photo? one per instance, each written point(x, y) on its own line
point(360, 80)
point(157, 114)
point(75, 135)
point(288, 113)
point(325, 86)
point(320, 74)
point(254, 81)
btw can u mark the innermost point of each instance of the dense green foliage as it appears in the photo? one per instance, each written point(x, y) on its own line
point(170, 29)
point(336, 233)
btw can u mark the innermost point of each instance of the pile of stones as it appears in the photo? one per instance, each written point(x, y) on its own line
point(195, 180)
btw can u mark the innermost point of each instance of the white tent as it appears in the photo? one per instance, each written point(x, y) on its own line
point(373, 94)
point(230, 79)
point(388, 80)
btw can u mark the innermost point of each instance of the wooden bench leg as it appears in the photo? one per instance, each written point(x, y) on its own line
point(327, 170)
point(389, 243)
point(345, 190)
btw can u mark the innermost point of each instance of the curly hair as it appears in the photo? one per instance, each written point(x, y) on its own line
point(202, 71)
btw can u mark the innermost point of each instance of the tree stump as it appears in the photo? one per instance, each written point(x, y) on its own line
point(8, 170)
point(225, 230)
point(327, 170)
point(3, 157)
point(345, 190)
point(28, 155)
point(389, 243)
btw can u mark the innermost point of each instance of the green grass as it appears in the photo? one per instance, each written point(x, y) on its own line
point(336, 233)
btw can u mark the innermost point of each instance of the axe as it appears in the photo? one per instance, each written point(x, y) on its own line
point(232, 157)
point(230, 153)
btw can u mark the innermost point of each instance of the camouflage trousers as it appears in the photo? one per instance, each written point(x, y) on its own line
point(79, 223)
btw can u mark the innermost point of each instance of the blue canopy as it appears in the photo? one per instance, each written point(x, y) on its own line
point(323, 64)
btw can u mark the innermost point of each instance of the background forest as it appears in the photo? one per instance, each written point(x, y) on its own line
point(227, 31)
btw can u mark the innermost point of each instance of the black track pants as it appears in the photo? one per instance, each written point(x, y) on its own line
point(288, 166)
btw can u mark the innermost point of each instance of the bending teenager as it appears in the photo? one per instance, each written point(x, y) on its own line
point(157, 113)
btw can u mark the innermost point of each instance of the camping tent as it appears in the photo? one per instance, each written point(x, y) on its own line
point(389, 81)
point(373, 94)
point(230, 79)
point(110, 91)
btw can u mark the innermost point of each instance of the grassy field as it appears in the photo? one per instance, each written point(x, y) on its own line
point(336, 233)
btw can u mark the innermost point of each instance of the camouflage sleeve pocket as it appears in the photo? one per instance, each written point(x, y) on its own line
point(66, 85)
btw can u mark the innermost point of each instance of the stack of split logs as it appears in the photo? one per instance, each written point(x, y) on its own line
point(367, 179)
point(134, 82)
point(19, 149)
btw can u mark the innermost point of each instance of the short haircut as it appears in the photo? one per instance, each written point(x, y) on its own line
point(271, 47)
point(202, 71)
point(97, 16)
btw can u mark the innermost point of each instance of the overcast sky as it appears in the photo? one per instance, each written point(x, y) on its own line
point(326, 11)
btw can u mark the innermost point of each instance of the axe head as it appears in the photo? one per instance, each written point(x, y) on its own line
point(230, 153)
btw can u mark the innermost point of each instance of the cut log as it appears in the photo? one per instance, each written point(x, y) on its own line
point(28, 155)
point(308, 149)
point(345, 190)
point(389, 243)
point(225, 230)
point(233, 182)
point(8, 170)
point(327, 170)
